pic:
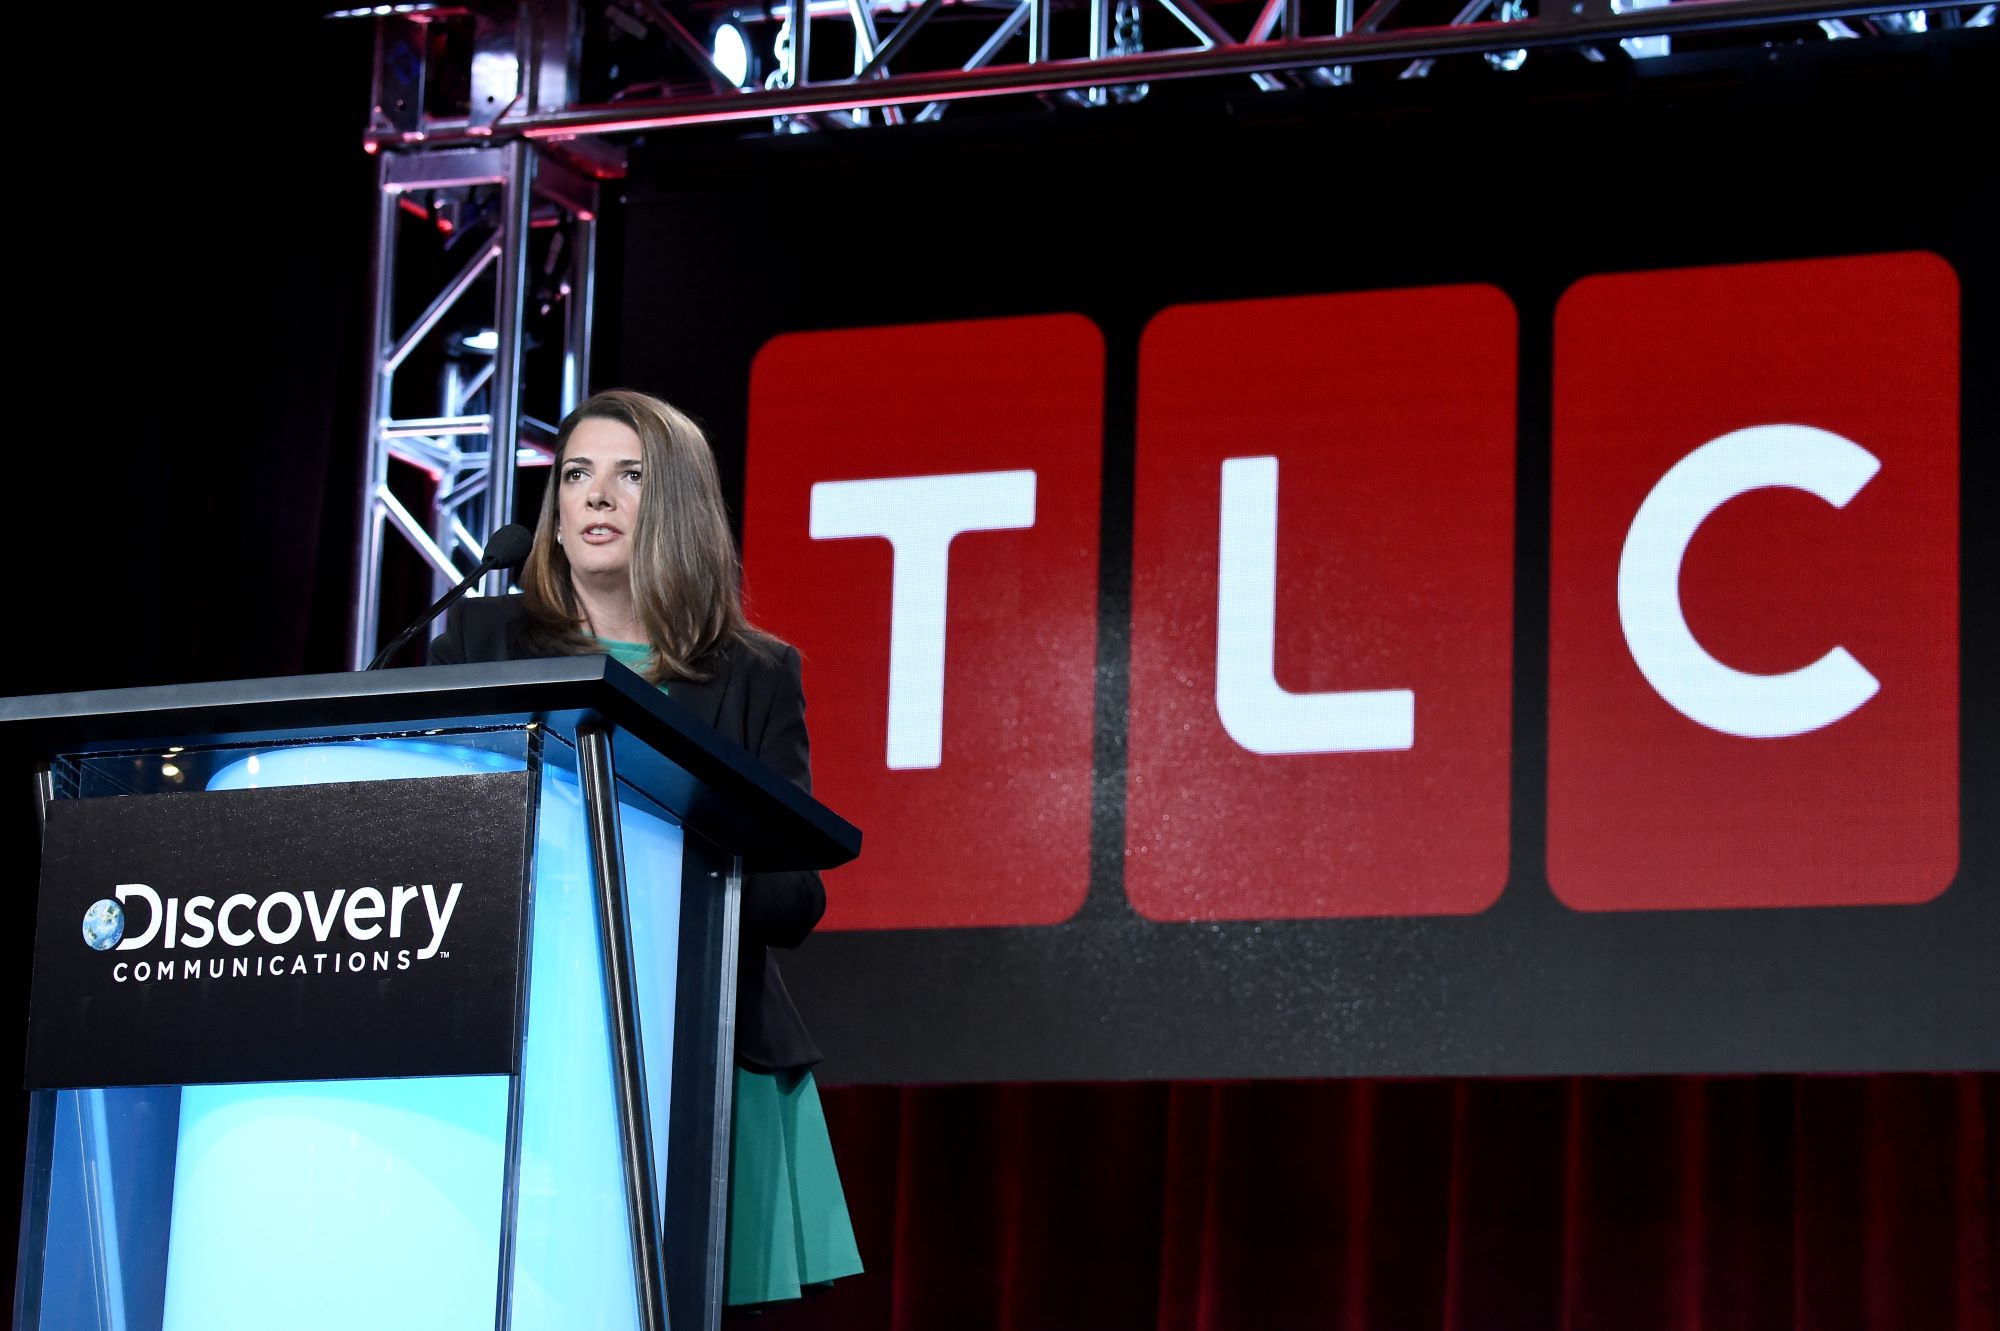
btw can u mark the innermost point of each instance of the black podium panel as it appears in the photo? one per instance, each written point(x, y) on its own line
point(364, 929)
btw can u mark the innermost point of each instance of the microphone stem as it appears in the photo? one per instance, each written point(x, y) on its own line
point(442, 604)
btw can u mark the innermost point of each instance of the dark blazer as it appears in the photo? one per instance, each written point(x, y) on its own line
point(756, 699)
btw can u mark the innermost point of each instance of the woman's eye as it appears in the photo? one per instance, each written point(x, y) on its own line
point(632, 476)
point(573, 474)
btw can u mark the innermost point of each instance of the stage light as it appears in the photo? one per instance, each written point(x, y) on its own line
point(729, 47)
point(1509, 11)
point(486, 339)
point(1643, 48)
point(384, 11)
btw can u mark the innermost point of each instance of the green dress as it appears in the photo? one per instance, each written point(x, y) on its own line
point(788, 1223)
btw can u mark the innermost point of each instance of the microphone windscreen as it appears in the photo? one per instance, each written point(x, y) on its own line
point(507, 547)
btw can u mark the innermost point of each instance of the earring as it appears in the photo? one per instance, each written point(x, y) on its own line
point(558, 538)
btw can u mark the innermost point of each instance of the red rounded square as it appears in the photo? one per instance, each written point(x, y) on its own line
point(1390, 416)
point(998, 831)
point(1654, 805)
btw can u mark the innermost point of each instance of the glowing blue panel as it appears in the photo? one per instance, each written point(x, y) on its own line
point(653, 849)
point(330, 1205)
point(363, 760)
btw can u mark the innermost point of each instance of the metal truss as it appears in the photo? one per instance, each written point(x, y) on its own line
point(452, 411)
point(482, 131)
point(464, 424)
point(892, 60)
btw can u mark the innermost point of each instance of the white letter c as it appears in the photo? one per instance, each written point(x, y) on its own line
point(1693, 682)
point(233, 937)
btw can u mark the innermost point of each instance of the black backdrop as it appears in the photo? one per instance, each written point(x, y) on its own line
point(1529, 182)
point(190, 295)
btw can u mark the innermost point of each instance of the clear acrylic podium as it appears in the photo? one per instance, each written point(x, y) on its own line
point(587, 1189)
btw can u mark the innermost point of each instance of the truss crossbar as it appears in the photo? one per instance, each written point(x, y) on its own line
point(1586, 22)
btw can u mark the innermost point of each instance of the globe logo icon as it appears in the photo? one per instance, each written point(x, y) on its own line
point(104, 924)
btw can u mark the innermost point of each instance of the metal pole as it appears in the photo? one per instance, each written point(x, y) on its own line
point(582, 310)
point(45, 791)
point(635, 1133)
point(510, 1186)
point(510, 324)
point(375, 408)
point(725, 1096)
point(801, 42)
point(445, 501)
point(1343, 23)
point(32, 1253)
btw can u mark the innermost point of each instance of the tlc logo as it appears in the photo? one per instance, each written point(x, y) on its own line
point(1753, 603)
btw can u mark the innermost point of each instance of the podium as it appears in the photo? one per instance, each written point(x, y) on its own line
point(382, 1000)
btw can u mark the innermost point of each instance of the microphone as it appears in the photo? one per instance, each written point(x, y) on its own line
point(506, 549)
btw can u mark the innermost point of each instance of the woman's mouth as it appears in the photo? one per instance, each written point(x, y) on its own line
point(599, 533)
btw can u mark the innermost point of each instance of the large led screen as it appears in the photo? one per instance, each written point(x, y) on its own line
point(1522, 620)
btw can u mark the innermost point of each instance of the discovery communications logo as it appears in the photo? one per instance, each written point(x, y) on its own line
point(356, 930)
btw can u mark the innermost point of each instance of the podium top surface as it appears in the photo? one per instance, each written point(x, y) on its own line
point(658, 746)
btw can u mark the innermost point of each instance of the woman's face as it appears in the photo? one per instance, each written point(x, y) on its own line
point(597, 497)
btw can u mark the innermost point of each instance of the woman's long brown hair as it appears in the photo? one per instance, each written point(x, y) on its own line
point(686, 577)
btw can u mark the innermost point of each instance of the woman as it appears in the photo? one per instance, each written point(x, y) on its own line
point(633, 557)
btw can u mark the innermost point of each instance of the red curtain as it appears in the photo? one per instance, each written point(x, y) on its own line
point(1685, 1204)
